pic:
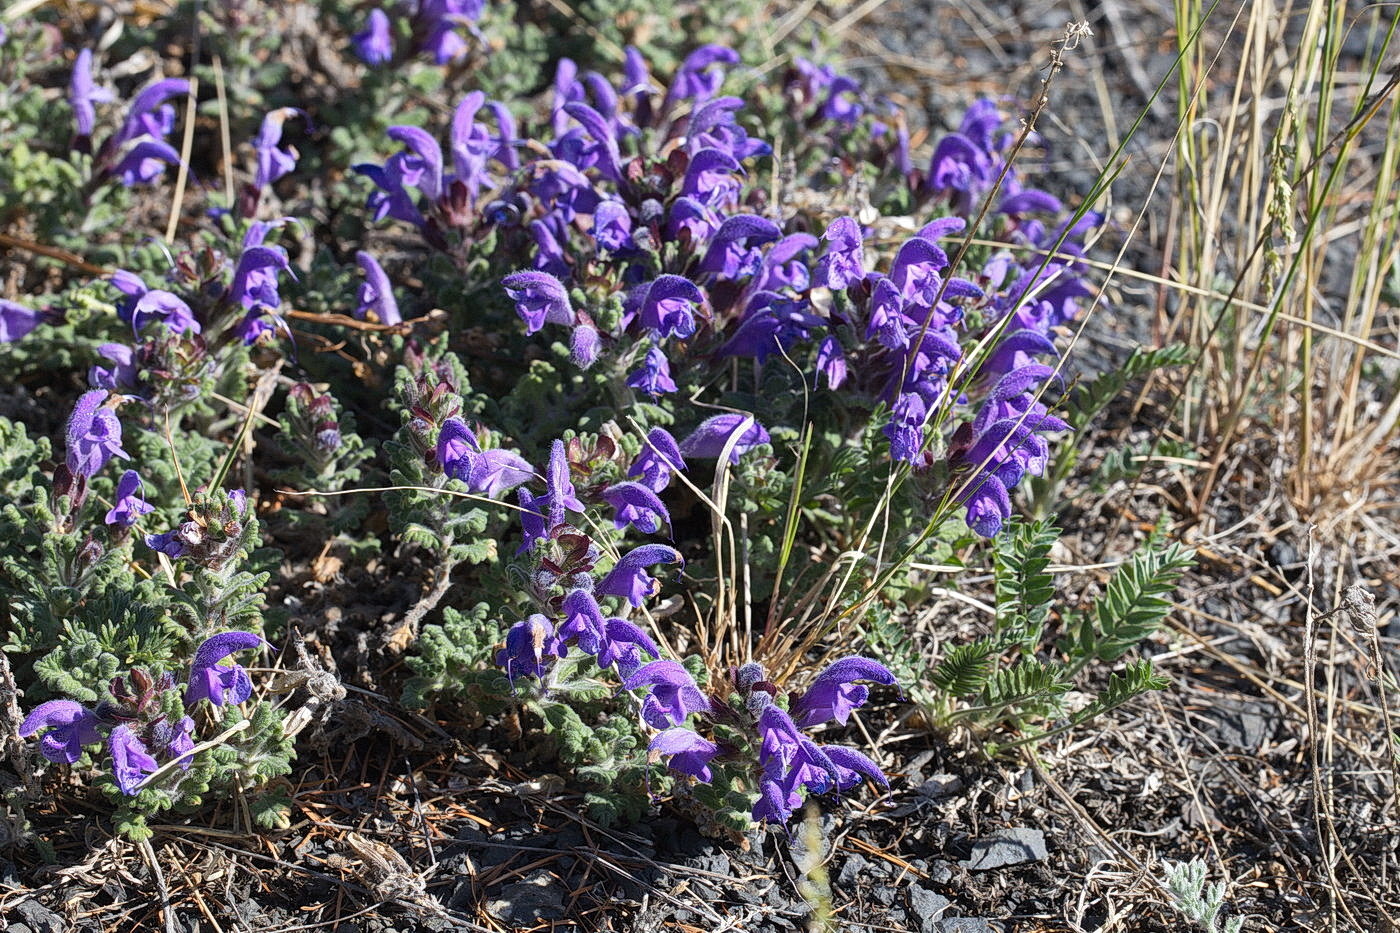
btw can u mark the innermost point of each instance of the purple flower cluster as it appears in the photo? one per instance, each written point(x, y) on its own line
point(569, 590)
point(179, 331)
point(913, 358)
point(788, 763)
point(623, 172)
point(137, 153)
point(435, 27)
point(135, 729)
point(915, 325)
point(634, 191)
point(212, 533)
point(578, 619)
point(566, 583)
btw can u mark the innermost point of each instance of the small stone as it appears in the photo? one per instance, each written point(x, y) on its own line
point(855, 866)
point(716, 862)
point(940, 785)
point(964, 925)
point(926, 908)
point(39, 918)
point(940, 872)
point(532, 900)
point(1007, 847)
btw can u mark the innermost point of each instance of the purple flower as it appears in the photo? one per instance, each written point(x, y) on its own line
point(852, 765)
point(667, 306)
point(122, 374)
point(501, 471)
point(812, 80)
point(604, 149)
point(390, 198)
point(549, 255)
point(220, 684)
point(785, 266)
point(612, 227)
point(563, 189)
point(622, 646)
point(583, 621)
point(457, 449)
point(775, 802)
point(376, 294)
point(422, 164)
point(673, 696)
point(714, 434)
point(831, 362)
point(176, 543)
point(888, 323)
point(1013, 394)
point(130, 504)
point(165, 308)
point(1015, 350)
point(843, 263)
point(843, 103)
point(835, 693)
point(659, 458)
point(1029, 200)
point(701, 74)
point(689, 753)
point(567, 89)
point(144, 162)
point(83, 94)
point(690, 217)
point(915, 270)
point(996, 460)
point(94, 435)
point(131, 761)
point(654, 375)
point(636, 505)
point(15, 321)
point(473, 145)
point(961, 170)
point(375, 45)
point(629, 578)
point(585, 345)
point(70, 726)
point(531, 514)
point(988, 504)
point(177, 740)
point(148, 115)
point(539, 297)
point(528, 643)
point(772, 322)
point(443, 41)
point(780, 744)
point(492, 472)
point(905, 429)
point(733, 250)
point(710, 178)
point(254, 282)
point(559, 485)
point(273, 163)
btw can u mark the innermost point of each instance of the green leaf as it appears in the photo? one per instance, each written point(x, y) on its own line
point(1136, 602)
point(1025, 588)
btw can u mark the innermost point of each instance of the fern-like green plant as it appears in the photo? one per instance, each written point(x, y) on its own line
point(998, 685)
point(1133, 607)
